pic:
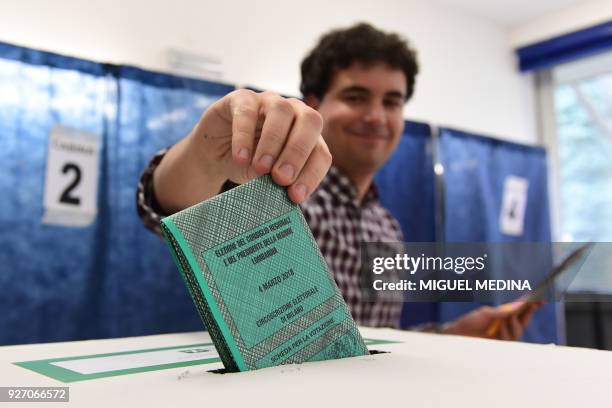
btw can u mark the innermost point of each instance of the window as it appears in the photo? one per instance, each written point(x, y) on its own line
point(582, 94)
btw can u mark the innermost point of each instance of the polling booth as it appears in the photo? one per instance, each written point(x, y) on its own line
point(496, 191)
point(47, 271)
point(74, 137)
point(78, 264)
point(487, 190)
point(143, 292)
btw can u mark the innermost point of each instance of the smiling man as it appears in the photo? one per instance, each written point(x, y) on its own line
point(325, 150)
point(362, 118)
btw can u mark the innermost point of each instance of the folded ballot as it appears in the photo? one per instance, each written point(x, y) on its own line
point(259, 281)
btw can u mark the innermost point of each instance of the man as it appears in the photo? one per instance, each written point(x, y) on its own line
point(355, 83)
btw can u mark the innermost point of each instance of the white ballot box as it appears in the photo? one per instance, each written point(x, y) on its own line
point(414, 370)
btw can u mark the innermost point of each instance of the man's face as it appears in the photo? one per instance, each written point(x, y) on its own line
point(363, 116)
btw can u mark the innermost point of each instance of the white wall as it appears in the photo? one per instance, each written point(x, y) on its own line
point(468, 79)
point(565, 20)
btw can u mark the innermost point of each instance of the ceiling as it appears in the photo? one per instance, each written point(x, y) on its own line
point(511, 12)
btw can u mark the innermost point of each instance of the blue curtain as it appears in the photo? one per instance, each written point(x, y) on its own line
point(406, 185)
point(45, 270)
point(145, 294)
point(475, 169)
point(112, 278)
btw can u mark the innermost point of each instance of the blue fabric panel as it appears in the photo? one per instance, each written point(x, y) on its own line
point(144, 290)
point(475, 169)
point(566, 47)
point(406, 185)
point(112, 278)
point(46, 271)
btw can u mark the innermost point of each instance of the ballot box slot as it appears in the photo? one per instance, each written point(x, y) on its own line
point(224, 371)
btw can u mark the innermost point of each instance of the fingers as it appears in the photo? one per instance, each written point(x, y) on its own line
point(279, 117)
point(493, 329)
point(514, 322)
point(510, 328)
point(505, 322)
point(311, 175)
point(289, 147)
point(515, 327)
point(525, 317)
point(304, 135)
point(504, 332)
point(244, 111)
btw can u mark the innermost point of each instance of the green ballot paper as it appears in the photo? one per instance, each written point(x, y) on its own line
point(259, 281)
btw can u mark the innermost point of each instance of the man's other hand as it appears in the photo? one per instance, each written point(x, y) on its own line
point(505, 322)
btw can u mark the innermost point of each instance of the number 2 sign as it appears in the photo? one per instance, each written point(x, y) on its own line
point(71, 180)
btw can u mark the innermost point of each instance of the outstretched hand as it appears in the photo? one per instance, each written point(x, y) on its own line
point(247, 134)
point(241, 136)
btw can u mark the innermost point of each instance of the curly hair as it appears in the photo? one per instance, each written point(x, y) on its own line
point(363, 43)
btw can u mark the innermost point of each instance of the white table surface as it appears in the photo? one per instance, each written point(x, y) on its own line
point(423, 370)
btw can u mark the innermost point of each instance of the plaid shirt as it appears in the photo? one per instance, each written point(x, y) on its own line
point(339, 223)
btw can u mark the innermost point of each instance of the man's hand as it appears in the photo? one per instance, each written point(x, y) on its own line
point(247, 134)
point(506, 322)
point(239, 137)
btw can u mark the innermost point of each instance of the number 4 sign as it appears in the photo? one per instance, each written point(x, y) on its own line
point(71, 180)
point(514, 203)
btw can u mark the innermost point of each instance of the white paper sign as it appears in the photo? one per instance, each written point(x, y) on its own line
point(514, 202)
point(71, 180)
point(95, 365)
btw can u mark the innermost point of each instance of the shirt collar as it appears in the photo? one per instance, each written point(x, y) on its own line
point(342, 188)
